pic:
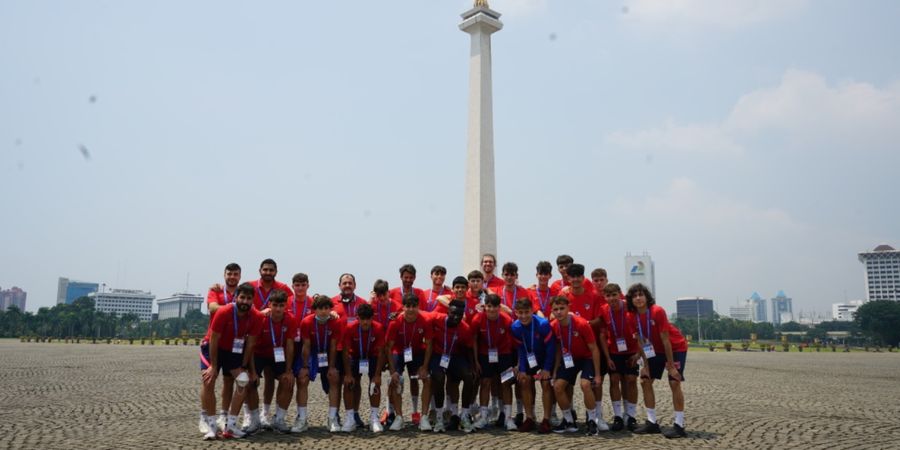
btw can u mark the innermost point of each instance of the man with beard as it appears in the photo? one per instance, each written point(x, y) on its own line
point(345, 306)
point(492, 283)
point(216, 298)
point(272, 359)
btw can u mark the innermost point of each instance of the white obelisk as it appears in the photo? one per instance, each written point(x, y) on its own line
point(480, 223)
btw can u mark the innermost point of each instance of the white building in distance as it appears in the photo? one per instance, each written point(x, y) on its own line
point(882, 273)
point(844, 311)
point(741, 312)
point(124, 301)
point(178, 305)
point(782, 309)
point(640, 269)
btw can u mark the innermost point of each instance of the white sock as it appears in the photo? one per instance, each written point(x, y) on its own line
point(332, 412)
point(454, 409)
point(267, 408)
point(631, 409)
point(567, 415)
point(592, 414)
point(211, 422)
point(679, 418)
point(223, 413)
point(651, 415)
point(374, 413)
point(231, 421)
point(279, 413)
point(485, 411)
point(507, 411)
point(350, 416)
point(301, 411)
point(439, 413)
point(415, 403)
point(617, 408)
point(598, 410)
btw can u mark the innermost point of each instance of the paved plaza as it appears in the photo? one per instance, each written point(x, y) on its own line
point(93, 396)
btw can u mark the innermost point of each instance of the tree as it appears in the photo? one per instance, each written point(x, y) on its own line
point(792, 326)
point(880, 320)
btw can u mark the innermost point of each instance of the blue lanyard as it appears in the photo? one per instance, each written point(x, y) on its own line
point(542, 301)
point(487, 326)
point(648, 325)
point(234, 311)
point(432, 299)
point(318, 344)
point(568, 348)
point(385, 317)
point(612, 319)
point(368, 346)
point(348, 310)
point(515, 294)
point(405, 334)
point(533, 317)
point(225, 294)
point(302, 312)
point(456, 333)
point(265, 301)
point(272, 332)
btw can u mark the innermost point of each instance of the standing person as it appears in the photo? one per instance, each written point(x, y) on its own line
point(409, 339)
point(492, 283)
point(542, 292)
point(619, 346)
point(363, 353)
point(215, 299)
point(536, 349)
point(451, 361)
point(562, 264)
point(385, 309)
point(407, 279)
point(577, 353)
point(321, 333)
point(586, 304)
point(438, 276)
point(663, 349)
point(495, 360)
point(511, 290)
point(228, 347)
point(300, 305)
point(273, 357)
point(345, 306)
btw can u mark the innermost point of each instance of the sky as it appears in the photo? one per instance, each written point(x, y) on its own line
point(747, 146)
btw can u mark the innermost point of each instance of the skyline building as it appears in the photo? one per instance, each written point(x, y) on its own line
point(882, 276)
point(687, 307)
point(124, 301)
point(744, 311)
point(782, 308)
point(844, 311)
point(759, 308)
point(640, 269)
point(178, 305)
point(68, 290)
point(13, 297)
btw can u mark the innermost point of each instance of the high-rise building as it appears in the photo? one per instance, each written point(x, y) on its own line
point(742, 312)
point(882, 273)
point(782, 309)
point(640, 269)
point(844, 311)
point(12, 297)
point(123, 301)
point(68, 290)
point(178, 305)
point(693, 307)
point(759, 308)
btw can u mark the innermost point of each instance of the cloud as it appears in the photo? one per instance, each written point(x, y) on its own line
point(696, 138)
point(711, 13)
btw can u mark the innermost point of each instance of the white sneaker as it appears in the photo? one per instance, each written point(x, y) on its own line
point(495, 414)
point(424, 423)
point(251, 427)
point(480, 423)
point(377, 427)
point(333, 425)
point(511, 424)
point(204, 427)
point(465, 422)
point(220, 422)
point(264, 422)
point(210, 434)
point(349, 426)
point(397, 424)
point(233, 432)
point(279, 426)
point(300, 425)
point(439, 426)
point(602, 425)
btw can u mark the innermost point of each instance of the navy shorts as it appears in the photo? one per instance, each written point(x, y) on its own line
point(261, 363)
point(523, 365)
point(585, 366)
point(227, 360)
point(354, 369)
point(622, 367)
point(490, 370)
point(412, 367)
point(458, 368)
point(658, 365)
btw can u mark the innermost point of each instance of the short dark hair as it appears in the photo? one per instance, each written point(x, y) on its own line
point(408, 268)
point(246, 289)
point(322, 301)
point(365, 311)
point(475, 274)
point(346, 275)
point(575, 270)
point(300, 278)
point(564, 260)
point(278, 297)
point(510, 268)
point(381, 287)
point(492, 299)
point(524, 303)
point(634, 289)
point(232, 267)
point(268, 261)
point(612, 288)
point(544, 268)
point(559, 300)
point(440, 270)
point(410, 300)
point(598, 272)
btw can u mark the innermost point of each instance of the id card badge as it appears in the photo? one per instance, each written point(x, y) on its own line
point(568, 361)
point(506, 375)
point(493, 356)
point(621, 345)
point(323, 359)
point(279, 354)
point(407, 355)
point(532, 361)
point(364, 366)
point(445, 361)
point(648, 351)
point(237, 346)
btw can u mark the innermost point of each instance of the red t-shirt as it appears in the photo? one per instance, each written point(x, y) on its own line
point(261, 296)
point(223, 323)
point(346, 311)
point(462, 332)
point(559, 284)
point(542, 299)
point(495, 284)
point(383, 310)
point(472, 302)
point(509, 297)
point(409, 334)
point(585, 305)
point(431, 305)
point(581, 336)
point(658, 322)
point(320, 334)
point(300, 307)
point(372, 339)
point(493, 333)
point(396, 295)
point(619, 325)
point(284, 330)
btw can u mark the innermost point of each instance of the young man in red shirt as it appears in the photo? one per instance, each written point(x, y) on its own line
point(562, 263)
point(663, 349)
point(511, 290)
point(409, 339)
point(619, 346)
point(321, 334)
point(273, 358)
point(216, 298)
point(585, 304)
point(228, 347)
point(492, 283)
point(363, 352)
point(495, 360)
point(577, 352)
point(407, 279)
point(542, 292)
point(451, 361)
point(438, 276)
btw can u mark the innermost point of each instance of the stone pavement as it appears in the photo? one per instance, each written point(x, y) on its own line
point(84, 396)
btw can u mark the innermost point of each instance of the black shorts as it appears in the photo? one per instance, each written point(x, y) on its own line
point(622, 367)
point(523, 365)
point(458, 369)
point(658, 365)
point(278, 368)
point(354, 369)
point(584, 365)
point(412, 367)
point(490, 370)
point(227, 360)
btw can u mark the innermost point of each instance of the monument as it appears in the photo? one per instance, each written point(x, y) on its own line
point(480, 223)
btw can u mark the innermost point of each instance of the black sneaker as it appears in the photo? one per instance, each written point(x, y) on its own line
point(677, 431)
point(575, 416)
point(389, 420)
point(618, 424)
point(501, 420)
point(565, 427)
point(358, 420)
point(591, 428)
point(631, 423)
point(453, 425)
point(647, 428)
point(519, 419)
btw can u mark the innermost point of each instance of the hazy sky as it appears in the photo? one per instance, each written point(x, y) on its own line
point(748, 146)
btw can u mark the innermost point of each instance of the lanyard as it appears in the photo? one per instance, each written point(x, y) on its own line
point(406, 336)
point(542, 300)
point(225, 295)
point(448, 351)
point(532, 336)
point(265, 301)
point(318, 344)
point(648, 325)
point(612, 320)
point(432, 299)
point(234, 311)
point(384, 317)
point(487, 326)
point(567, 348)
point(303, 311)
point(272, 332)
point(351, 309)
point(515, 296)
point(369, 340)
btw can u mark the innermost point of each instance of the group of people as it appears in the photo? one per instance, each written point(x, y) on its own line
point(466, 349)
